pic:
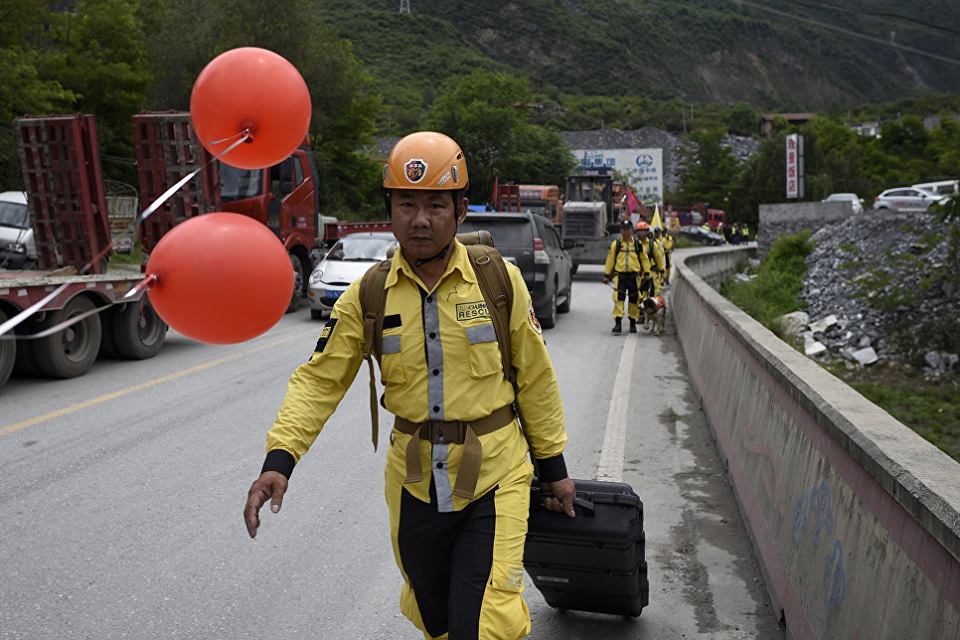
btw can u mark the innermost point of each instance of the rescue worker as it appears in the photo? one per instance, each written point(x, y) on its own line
point(457, 477)
point(735, 234)
point(624, 265)
point(667, 250)
point(745, 234)
point(660, 258)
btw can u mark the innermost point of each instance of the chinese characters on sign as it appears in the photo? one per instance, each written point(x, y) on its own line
point(795, 166)
point(643, 168)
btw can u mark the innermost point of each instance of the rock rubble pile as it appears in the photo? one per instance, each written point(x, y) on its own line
point(876, 289)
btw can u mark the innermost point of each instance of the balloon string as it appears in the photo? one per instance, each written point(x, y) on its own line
point(60, 326)
point(146, 283)
point(146, 213)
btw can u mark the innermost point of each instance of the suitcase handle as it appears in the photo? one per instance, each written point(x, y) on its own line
point(587, 506)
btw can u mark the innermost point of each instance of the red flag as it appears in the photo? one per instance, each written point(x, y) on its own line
point(632, 202)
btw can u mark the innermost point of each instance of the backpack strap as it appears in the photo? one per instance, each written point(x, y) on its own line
point(497, 291)
point(373, 300)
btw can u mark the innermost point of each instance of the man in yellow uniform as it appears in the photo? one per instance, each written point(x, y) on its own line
point(660, 259)
point(667, 250)
point(651, 282)
point(625, 264)
point(458, 475)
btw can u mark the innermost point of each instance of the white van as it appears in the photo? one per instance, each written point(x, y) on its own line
point(942, 188)
point(17, 247)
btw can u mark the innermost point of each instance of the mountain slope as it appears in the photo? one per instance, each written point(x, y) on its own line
point(696, 50)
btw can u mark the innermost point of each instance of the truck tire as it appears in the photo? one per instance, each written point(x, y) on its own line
point(8, 353)
point(297, 297)
point(138, 332)
point(71, 352)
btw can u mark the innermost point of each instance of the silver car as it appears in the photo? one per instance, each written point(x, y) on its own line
point(907, 199)
point(346, 261)
point(856, 202)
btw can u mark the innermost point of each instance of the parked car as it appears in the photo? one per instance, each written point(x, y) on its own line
point(856, 202)
point(346, 261)
point(907, 199)
point(532, 243)
point(17, 247)
point(702, 236)
point(943, 187)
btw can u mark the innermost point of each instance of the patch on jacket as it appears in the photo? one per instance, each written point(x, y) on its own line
point(472, 310)
point(325, 335)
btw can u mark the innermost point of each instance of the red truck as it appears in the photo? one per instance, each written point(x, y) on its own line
point(283, 197)
point(61, 168)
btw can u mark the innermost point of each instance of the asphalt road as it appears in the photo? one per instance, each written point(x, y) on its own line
point(123, 494)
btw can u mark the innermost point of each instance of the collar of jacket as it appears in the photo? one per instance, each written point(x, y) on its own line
point(459, 261)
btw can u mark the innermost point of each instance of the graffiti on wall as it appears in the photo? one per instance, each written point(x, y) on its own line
point(814, 520)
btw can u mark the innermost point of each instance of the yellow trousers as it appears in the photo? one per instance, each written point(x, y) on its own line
point(463, 571)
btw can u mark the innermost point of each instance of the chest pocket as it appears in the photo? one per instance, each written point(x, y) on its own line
point(391, 358)
point(484, 350)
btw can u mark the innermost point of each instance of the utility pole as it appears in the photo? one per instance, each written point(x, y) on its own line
point(405, 6)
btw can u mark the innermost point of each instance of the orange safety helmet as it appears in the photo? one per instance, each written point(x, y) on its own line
point(426, 160)
point(643, 226)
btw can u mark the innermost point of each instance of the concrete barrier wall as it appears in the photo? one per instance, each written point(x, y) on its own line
point(855, 518)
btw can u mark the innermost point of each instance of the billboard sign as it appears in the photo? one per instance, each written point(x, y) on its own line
point(794, 166)
point(642, 168)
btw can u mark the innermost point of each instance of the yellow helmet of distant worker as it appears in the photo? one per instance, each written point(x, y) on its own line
point(426, 160)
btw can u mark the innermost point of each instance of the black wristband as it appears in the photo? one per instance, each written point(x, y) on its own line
point(280, 461)
point(552, 469)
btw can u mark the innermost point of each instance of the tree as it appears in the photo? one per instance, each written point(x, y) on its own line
point(23, 90)
point(344, 108)
point(710, 170)
point(487, 114)
point(97, 53)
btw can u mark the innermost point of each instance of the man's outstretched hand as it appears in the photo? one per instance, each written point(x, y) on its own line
point(269, 486)
point(560, 495)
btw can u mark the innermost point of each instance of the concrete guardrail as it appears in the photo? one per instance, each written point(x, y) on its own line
point(854, 517)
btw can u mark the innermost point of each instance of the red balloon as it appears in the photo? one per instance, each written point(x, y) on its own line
point(221, 278)
point(255, 89)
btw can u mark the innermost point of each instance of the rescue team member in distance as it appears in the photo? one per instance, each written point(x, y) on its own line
point(461, 555)
point(625, 264)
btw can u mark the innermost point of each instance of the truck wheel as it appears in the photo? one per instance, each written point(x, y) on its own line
point(297, 297)
point(8, 353)
point(138, 331)
point(71, 352)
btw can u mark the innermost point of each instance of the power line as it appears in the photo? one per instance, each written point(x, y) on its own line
point(863, 36)
point(887, 17)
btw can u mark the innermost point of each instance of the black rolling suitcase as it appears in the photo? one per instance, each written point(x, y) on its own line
point(594, 562)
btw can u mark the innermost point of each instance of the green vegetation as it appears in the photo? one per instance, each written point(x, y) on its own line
point(776, 290)
point(929, 407)
point(478, 110)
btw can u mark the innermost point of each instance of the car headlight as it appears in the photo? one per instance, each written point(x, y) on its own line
point(316, 275)
point(16, 247)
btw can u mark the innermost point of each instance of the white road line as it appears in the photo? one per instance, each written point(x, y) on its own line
point(615, 432)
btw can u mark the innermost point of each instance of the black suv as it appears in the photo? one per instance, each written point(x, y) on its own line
point(533, 244)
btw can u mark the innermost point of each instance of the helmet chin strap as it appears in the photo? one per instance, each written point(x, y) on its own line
point(419, 262)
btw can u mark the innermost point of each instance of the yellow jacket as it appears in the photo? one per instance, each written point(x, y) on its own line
point(658, 254)
point(626, 260)
point(668, 243)
point(451, 326)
